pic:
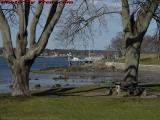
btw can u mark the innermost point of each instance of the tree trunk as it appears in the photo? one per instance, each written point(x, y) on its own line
point(135, 25)
point(20, 79)
point(132, 63)
point(158, 55)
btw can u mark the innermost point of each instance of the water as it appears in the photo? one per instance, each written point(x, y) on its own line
point(45, 62)
point(40, 63)
point(44, 80)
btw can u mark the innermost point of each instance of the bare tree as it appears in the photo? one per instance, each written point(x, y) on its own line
point(136, 17)
point(135, 25)
point(118, 42)
point(79, 24)
point(147, 44)
point(21, 60)
point(150, 43)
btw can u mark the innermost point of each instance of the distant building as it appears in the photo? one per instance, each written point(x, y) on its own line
point(96, 54)
point(112, 53)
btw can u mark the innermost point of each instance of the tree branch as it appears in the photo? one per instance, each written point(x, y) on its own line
point(85, 23)
point(27, 11)
point(145, 14)
point(21, 42)
point(6, 37)
point(43, 40)
point(34, 23)
point(51, 14)
point(126, 15)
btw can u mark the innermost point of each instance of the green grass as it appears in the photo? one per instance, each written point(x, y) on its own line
point(78, 107)
point(150, 61)
point(145, 61)
point(154, 89)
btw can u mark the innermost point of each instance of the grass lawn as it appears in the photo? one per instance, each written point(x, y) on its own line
point(145, 59)
point(78, 108)
point(150, 61)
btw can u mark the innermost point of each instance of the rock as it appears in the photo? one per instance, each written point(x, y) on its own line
point(115, 65)
point(144, 93)
point(110, 64)
point(37, 86)
point(57, 85)
point(67, 85)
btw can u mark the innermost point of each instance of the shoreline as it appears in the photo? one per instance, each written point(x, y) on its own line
point(95, 72)
point(104, 70)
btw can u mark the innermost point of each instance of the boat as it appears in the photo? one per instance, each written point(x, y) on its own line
point(76, 60)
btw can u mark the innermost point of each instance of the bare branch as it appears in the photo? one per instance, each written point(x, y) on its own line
point(145, 14)
point(6, 37)
point(79, 21)
point(21, 42)
point(34, 23)
point(51, 14)
point(9, 12)
point(43, 40)
point(126, 15)
point(27, 11)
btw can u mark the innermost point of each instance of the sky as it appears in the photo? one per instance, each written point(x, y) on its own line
point(102, 39)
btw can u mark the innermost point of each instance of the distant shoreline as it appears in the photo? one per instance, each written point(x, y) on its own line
point(53, 56)
point(47, 56)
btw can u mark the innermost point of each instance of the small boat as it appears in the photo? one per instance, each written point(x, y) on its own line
point(80, 60)
point(74, 59)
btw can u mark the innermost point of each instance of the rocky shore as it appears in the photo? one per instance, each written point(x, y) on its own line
point(104, 70)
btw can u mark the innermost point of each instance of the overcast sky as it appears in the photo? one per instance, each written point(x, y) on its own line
point(102, 39)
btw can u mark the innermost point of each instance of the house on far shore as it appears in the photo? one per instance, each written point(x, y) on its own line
point(94, 54)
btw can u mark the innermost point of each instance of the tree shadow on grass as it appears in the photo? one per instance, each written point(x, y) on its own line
point(7, 97)
point(54, 91)
point(66, 92)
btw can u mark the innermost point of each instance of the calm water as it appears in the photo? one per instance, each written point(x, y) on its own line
point(40, 63)
point(45, 80)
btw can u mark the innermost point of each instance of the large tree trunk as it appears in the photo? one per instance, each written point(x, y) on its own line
point(132, 63)
point(134, 30)
point(20, 79)
point(21, 59)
